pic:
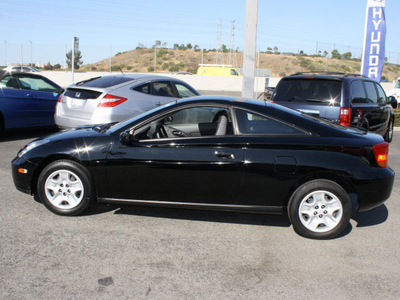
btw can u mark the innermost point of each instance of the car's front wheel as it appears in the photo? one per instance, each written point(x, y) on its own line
point(320, 209)
point(65, 188)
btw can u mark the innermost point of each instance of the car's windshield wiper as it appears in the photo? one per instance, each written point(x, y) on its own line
point(318, 100)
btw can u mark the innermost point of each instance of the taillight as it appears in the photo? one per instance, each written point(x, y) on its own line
point(381, 152)
point(59, 99)
point(111, 101)
point(345, 116)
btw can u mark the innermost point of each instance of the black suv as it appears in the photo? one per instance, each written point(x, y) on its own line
point(348, 99)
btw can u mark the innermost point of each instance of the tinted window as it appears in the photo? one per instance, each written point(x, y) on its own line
point(371, 92)
point(251, 123)
point(358, 92)
point(381, 95)
point(163, 89)
point(184, 91)
point(144, 88)
point(104, 82)
point(306, 90)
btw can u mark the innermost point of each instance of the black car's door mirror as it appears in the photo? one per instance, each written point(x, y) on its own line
point(392, 101)
point(127, 137)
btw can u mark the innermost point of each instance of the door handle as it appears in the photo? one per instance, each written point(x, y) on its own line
point(225, 155)
point(30, 95)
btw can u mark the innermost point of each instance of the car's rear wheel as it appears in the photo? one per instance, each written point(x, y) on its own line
point(389, 132)
point(320, 209)
point(65, 188)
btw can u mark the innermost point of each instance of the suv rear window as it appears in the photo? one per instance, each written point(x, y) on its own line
point(308, 90)
point(104, 82)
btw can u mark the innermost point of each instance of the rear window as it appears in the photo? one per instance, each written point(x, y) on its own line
point(104, 82)
point(308, 90)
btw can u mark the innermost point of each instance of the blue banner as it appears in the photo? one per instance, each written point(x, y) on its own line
point(373, 57)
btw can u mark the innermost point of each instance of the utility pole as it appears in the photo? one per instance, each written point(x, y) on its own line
point(110, 57)
point(22, 58)
point(249, 49)
point(219, 38)
point(232, 42)
point(5, 53)
point(31, 64)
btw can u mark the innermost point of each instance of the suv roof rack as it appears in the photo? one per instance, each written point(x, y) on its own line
point(328, 73)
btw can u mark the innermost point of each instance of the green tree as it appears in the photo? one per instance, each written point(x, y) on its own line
point(336, 54)
point(77, 59)
point(347, 55)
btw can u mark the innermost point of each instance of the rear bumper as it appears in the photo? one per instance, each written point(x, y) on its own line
point(374, 192)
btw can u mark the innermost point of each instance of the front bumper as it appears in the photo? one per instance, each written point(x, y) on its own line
point(23, 181)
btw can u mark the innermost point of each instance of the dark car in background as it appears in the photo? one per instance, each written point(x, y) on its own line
point(348, 99)
point(215, 153)
point(27, 100)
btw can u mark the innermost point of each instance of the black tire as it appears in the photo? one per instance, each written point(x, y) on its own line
point(320, 209)
point(389, 132)
point(65, 188)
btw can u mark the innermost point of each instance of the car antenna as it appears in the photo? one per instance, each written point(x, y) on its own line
point(121, 70)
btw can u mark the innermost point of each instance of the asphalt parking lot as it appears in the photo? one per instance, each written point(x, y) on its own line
point(129, 252)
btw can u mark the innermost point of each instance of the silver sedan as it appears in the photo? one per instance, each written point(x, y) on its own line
point(115, 98)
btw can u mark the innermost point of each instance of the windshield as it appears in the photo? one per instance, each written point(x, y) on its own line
point(397, 84)
point(308, 90)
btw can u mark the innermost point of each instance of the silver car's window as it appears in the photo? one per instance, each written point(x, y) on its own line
point(163, 89)
point(183, 91)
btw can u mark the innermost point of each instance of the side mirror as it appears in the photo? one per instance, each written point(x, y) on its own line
point(393, 102)
point(126, 137)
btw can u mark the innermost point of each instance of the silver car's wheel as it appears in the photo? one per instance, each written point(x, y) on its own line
point(64, 189)
point(320, 211)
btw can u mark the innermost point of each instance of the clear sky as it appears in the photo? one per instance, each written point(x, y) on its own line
point(45, 28)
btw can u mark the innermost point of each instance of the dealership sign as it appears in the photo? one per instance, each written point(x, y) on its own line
point(373, 57)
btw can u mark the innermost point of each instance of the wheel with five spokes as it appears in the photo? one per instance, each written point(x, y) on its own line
point(320, 209)
point(65, 188)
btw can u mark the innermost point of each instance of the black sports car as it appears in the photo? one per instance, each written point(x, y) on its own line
point(216, 153)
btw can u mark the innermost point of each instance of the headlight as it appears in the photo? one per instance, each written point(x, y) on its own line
point(32, 145)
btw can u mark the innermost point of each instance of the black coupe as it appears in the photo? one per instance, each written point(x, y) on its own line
point(215, 153)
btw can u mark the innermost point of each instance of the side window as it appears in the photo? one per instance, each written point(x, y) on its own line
point(183, 91)
point(358, 92)
point(37, 84)
point(189, 122)
point(9, 82)
point(163, 89)
point(234, 73)
point(381, 95)
point(371, 92)
point(251, 123)
point(144, 88)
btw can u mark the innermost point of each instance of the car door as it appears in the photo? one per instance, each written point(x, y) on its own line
point(385, 108)
point(374, 110)
point(33, 104)
point(271, 161)
point(12, 101)
point(178, 168)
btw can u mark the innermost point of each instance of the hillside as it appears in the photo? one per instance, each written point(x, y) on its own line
point(169, 60)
